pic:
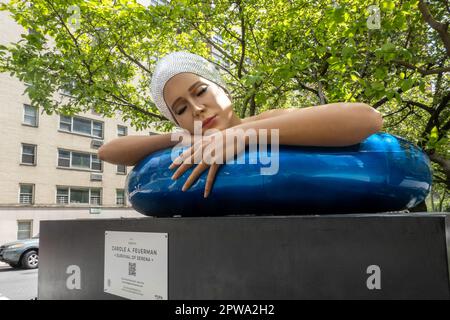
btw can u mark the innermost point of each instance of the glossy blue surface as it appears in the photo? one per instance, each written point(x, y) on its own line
point(382, 173)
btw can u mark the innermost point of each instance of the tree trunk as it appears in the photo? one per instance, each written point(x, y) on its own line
point(445, 166)
point(252, 105)
point(441, 202)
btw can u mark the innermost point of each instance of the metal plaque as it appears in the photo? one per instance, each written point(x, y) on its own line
point(136, 265)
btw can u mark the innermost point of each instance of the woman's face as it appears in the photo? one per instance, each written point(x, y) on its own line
point(194, 98)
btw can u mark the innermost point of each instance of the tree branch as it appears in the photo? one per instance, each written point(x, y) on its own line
point(434, 119)
point(223, 52)
point(75, 41)
point(424, 72)
point(319, 93)
point(227, 71)
point(385, 99)
point(134, 60)
point(401, 120)
point(256, 43)
point(322, 98)
point(441, 28)
point(231, 33)
point(301, 85)
point(241, 61)
point(445, 127)
point(446, 5)
point(395, 112)
point(444, 163)
point(420, 105)
point(135, 107)
point(325, 65)
point(123, 102)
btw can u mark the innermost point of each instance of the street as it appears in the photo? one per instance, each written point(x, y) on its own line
point(18, 284)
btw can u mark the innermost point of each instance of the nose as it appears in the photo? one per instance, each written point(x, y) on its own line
point(197, 109)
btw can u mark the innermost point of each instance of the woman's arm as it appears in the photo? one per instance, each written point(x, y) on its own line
point(336, 124)
point(130, 150)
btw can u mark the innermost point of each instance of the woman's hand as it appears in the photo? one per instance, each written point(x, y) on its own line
point(208, 152)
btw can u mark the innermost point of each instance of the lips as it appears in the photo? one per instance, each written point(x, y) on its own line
point(207, 121)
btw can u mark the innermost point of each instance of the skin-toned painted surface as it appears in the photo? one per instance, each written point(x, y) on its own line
point(194, 99)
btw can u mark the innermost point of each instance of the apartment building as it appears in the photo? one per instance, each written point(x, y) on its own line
point(49, 169)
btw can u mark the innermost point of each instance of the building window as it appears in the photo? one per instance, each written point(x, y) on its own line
point(79, 160)
point(79, 195)
point(97, 129)
point(216, 54)
point(26, 194)
point(66, 195)
point(28, 153)
point(83, 126)
point(218, 57)
point(65, 123)
point(63, 158)
point(96, 198)
point(158, 2)
point(122, 131)
point(120, 197)
point(96, 164)
point(68, 88)
point(217, 39)
point(122, 169)
point(62, 196)
point(30, 115)
point(24, 229)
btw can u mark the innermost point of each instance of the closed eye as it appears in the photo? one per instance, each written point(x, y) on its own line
point(181, 110)
point(199, 94)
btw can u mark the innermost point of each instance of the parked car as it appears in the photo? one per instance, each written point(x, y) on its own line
point(21, 254)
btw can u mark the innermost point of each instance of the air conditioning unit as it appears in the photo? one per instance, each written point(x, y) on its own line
point(95, 144)
point(96, 177)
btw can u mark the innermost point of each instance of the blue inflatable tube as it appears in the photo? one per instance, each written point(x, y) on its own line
point(382, 173)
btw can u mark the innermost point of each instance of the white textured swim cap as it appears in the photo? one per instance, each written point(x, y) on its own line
point(178, 62)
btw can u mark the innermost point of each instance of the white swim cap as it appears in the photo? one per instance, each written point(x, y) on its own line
point(178, 62)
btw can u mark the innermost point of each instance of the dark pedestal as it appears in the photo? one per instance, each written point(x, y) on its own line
point(289, 257)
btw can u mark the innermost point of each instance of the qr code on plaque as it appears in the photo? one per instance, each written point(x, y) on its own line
point(131, 268)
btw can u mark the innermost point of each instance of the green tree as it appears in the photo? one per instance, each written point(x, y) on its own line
point(392, 55)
